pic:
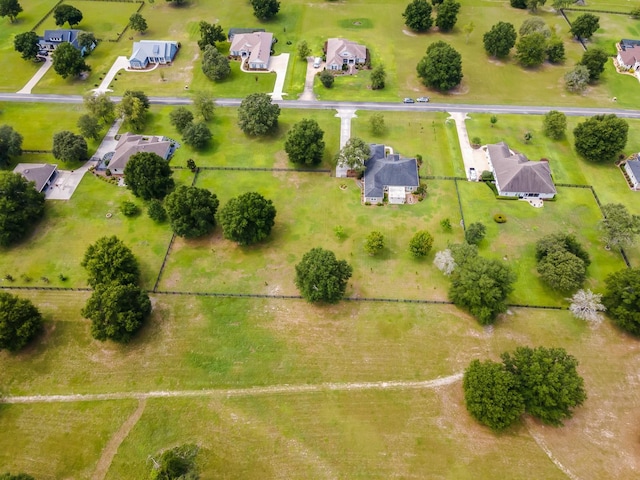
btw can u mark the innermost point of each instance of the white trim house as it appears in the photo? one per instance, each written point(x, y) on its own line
point(391, 174)
point(629, 54)
point(256, 47)
point(152, 51)
point(344, 52)
point(632, 167)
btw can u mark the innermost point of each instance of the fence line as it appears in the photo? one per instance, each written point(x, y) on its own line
point(42, 20)
point(464, 227)
point(584, 46)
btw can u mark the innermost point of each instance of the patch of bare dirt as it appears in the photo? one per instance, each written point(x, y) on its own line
point(409, 33)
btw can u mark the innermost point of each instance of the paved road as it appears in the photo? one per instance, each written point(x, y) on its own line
point(322, 105)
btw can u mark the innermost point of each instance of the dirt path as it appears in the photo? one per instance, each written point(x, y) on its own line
point(543, 446)
point(237, 392)
point(111, 448)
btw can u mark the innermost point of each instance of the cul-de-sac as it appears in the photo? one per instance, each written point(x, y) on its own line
point(323, 239)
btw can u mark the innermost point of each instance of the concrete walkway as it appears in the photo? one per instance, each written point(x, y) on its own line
point(277, 64)
point(48, 63)
point(121, 63)
point(308, 81)
point(345, 115)
point(109, 142)
point(472, 158)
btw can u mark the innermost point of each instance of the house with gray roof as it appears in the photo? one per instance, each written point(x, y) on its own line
point(389, 173)
point(52, 38)
point(629, 54)
point(632, 168)
point(147, 52)
point(517, 176)
point(41, 174)
point(255, 47)
point(234, 31)
point(344, 52)
point(129, 144)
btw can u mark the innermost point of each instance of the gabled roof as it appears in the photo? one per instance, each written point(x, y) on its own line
point(516, 174)
point(60, 36)
point(629, 51)
point(338, 49)
point(39, 173)
point(388, 171)
point(130, 144)
point(258, 43)
point(634, 166)
point(234, 31)
point(144, 49)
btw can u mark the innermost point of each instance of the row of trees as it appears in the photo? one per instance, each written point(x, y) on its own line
point(417, 15)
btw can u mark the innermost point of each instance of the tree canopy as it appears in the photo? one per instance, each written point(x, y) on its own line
point(67, 13)
point(100, 106)
point(138, 23)
point(117, 311)
point(353, 154)
point(548, 382)
point(303, 50)
point(197, 135)
point(554, 124)
point(265, 9)
point(210, 34)
point(191, 211)
point(441, 67)
point(20, 321)
point(321, 277)
point(68, 61)
point(68, 146)
point(247, 219)
point(601, 137)
point(534, 25)
point(417, 15)
point(326, 78)
point(20, 207)
point(215, 65)
point(86, 39)
point(562, 271)
point(305, 143)
point(531, 50)
point(555, 50)
point(109, 260)
point(500, 39)
point(374, 243)
point(595, 60)
point(10, 8)
point(89, 126)
point(10, 144)
point(622, 299)
point(619, 227)
point(180, 118)
point(133, 108)
point(378, 78)
point(148, 176)
point(577, 79)
point(257, 115)
point(475, 233)
point(420, 244)
point(177, 463)
point(585, 25)
point(491, 394)
point(204, 105)
point(26, 44)
point(447, 15)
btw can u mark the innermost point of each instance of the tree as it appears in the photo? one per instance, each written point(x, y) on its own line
point(67, 13)
point(531, 50)
point(376, 121)
point(210, 34)
point(378, 78)
point(441, 68)
point(148, 176)
point(10, 144)
point(447, 15)
point(444, 261)
point(10, 8)
point(20, 321)
point(89, 126)
point(100, 106)
point(481, 286)
point(534, 25)
point(548, 382)
point(69, 147)
point(205, 105)
point(18, 476)
point(558, 4)
point(554, 124)
point(532, 5)
point(353, 154)
point(257, 115)
point(197, 135)
point(320, 277)
point(374, 243)
point(577, 79)
point(303, 50)
point(117, 311)
point(181, 118)
point(622, 299)
point(109, 261)
point(635, 13)
point(420, 244)
point(138, 23)
point(500, 39)
point(561, 241)
point(586, 305)
point(601, 137)
point(585, 25)
point(26, 44)
point(156, 211)
point(177, 463)
point(562, 270)
point(522, 4)
point(463, 253)
point(555, 50)
point(474, 233)
point(594, 59)
point(417, 16)
point(493, 120)
point(86, 40)
point(214, 64)
point(491, 394)
point(21, 206)
point(191, 211)
point(305, 143)
point(265, 9)
point(133, 108)
point(468, 30)
point(177, 2)
point(247, 219)
point(327, 78)
point(68, 61)
point(618, 225)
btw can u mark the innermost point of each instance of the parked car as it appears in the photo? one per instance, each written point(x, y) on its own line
point(473, 175)
point(423, 99)
point(408, 100)
point(317, 62)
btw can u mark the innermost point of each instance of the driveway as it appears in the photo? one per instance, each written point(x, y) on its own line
point(66, 182)
point(472, 158)
point(121, 63)
point(279, 64)
point(48, 63)
point(308, 81)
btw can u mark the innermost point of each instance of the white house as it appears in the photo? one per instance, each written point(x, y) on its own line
point(152, 51)
point(629, 54)
point(344, 52)
point(255, 46)
point(390, 174)
point(632, 167)
point(517, 176)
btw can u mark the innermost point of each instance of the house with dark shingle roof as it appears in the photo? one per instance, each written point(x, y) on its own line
point(344, 52)
point(517, 176)
point(152, 51)
point(391, 174)
point(256, 47)
point(234, 31)
point(53, 38)
point(129, 144)
point(632, 167)
point(629, 54)
point(41, 174)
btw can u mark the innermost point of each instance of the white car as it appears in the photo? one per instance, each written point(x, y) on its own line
point(317, 62)
point(473, 175)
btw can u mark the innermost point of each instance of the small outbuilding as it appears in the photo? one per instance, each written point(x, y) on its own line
point(41, 174)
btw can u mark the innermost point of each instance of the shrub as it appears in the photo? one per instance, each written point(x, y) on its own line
point(156, 211)
point(500, 218)
point(129, 209)
point(487, 176)
point(107, 172)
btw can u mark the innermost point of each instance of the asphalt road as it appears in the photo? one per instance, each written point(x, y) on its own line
point(331, 105)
